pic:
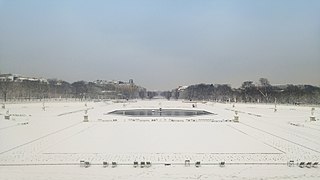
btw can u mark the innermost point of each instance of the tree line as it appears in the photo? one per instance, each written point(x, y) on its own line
point(29, 90)
point(261, 92)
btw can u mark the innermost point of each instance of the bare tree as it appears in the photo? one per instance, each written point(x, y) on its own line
point(247, 84)
point(265, 87)
point(264, 82)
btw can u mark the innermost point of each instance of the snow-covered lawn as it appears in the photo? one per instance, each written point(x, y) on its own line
point(49, 143)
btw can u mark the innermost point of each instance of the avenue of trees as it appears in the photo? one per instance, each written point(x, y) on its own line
point(260, 92)
point(29, 90)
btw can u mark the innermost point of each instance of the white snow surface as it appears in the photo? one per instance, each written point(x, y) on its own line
point(38, 143)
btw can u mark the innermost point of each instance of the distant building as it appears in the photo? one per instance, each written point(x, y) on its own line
point(6, 77)
point(20, 78)
point(114, 82)
point(182, 88)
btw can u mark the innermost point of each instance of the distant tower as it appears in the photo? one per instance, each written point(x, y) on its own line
point(130, 81)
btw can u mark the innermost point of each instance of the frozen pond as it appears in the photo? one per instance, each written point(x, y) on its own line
point(160, 112)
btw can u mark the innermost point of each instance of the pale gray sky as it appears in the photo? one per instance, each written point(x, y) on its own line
point(163, 43)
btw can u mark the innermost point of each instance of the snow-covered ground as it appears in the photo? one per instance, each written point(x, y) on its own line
point(48, 141)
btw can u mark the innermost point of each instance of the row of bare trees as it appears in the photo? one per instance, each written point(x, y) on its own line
point(249, 91)
point(28, 90)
